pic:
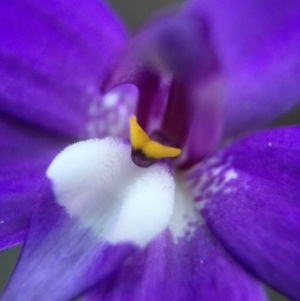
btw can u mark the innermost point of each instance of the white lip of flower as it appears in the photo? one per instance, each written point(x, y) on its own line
point(97, 183)
point(185, 219)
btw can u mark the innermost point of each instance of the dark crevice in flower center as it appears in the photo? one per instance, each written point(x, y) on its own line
point(140, 159)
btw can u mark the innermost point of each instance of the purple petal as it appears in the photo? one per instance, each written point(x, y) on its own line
point(174, 67)
point(258, 47)
point(249, 196)
point(54, 56)
point(25, 155)
point(96, 207)
point(194, 268)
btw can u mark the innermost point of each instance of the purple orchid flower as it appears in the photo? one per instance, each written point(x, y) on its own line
point(209, 225)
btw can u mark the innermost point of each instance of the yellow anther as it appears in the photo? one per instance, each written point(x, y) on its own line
point(152, 149)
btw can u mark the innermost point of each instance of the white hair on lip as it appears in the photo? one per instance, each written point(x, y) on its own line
point(97, 182)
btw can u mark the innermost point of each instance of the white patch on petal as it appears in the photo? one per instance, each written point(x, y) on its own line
point(230, 175)
point(110, 99)
point(185, 218)
point(97, 182)
point(109, 114)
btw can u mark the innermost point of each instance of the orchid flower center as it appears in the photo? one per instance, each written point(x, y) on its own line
point(145, 151)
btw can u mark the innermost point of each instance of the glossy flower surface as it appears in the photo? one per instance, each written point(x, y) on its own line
point(209, 225)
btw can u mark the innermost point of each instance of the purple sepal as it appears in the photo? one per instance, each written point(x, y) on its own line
point(176, 43)
point(257, 44)
point(61, 258)
point(54, 56)
point(249, 196)
point(26, 153)
point(194, 268)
